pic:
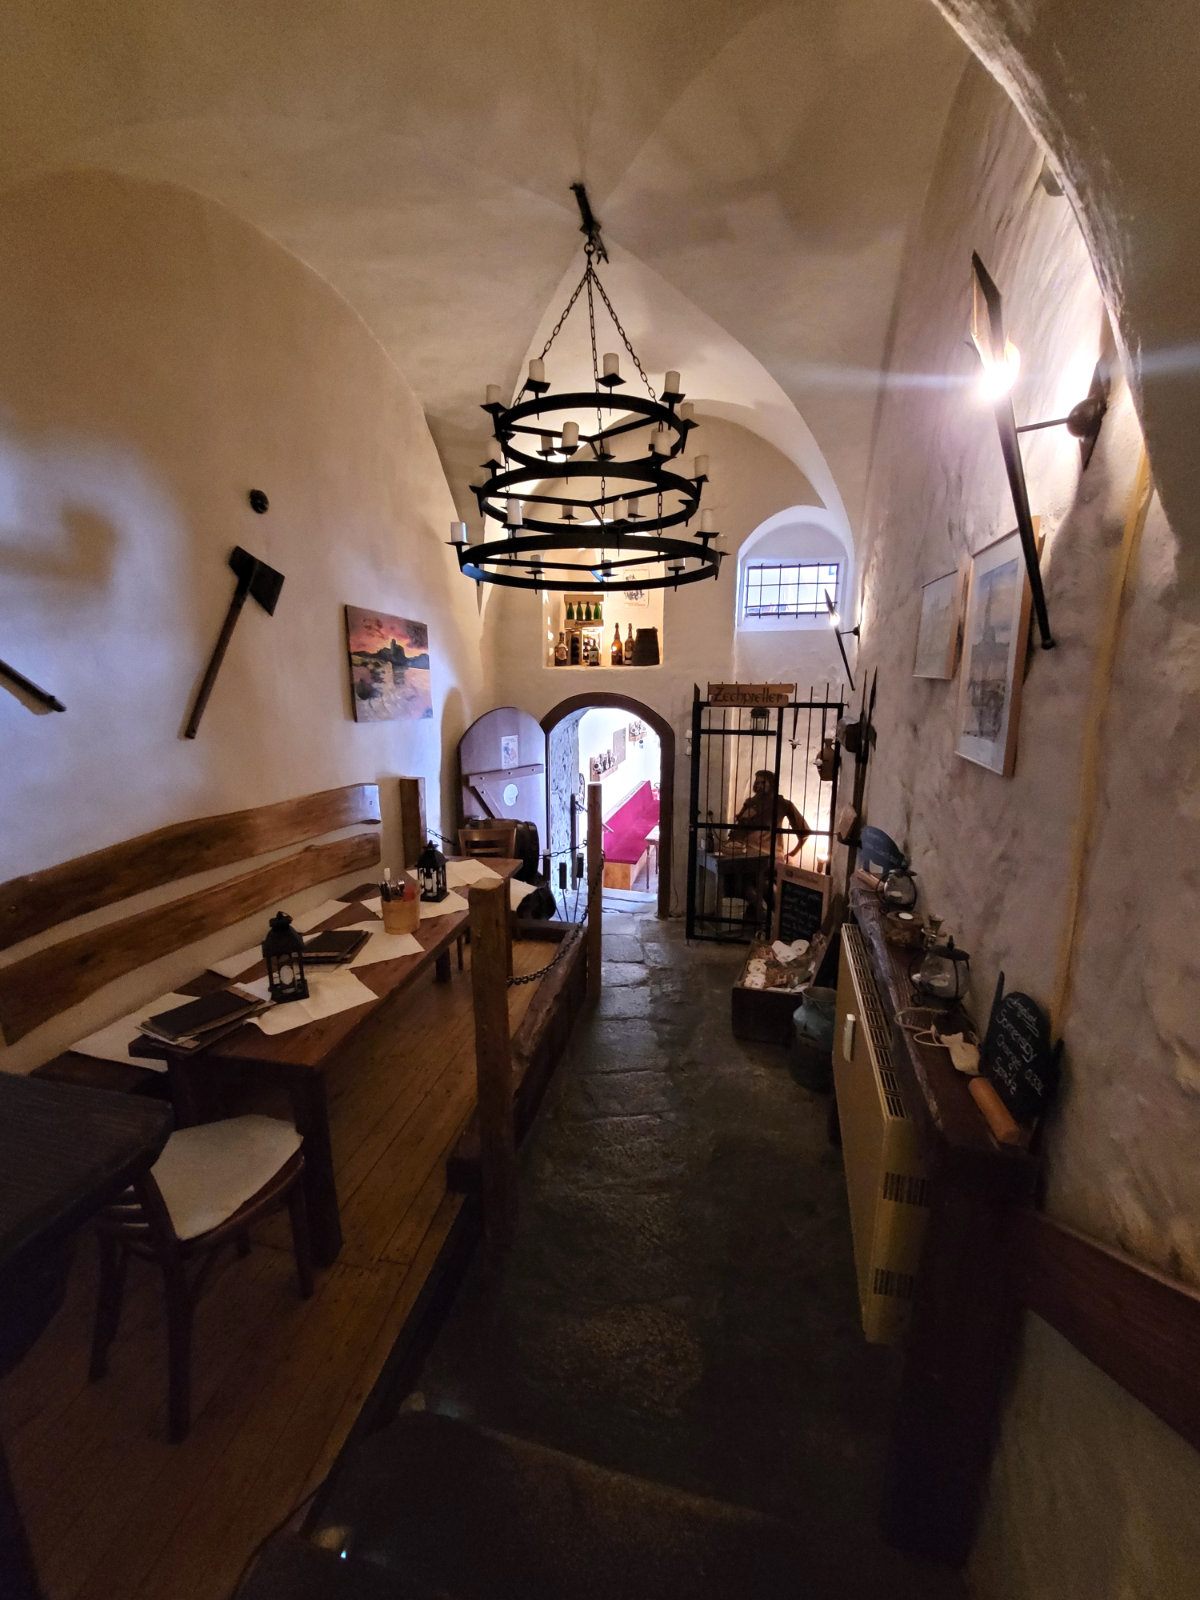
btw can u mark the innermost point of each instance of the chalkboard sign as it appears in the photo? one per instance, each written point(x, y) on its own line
point(876, 851)
point(1017, 1057)
point(802, 898)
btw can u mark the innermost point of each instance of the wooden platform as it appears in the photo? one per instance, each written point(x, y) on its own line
point(117, 1513)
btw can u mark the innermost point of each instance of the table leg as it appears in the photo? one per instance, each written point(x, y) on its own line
point(441, 968)
point(310, 1107)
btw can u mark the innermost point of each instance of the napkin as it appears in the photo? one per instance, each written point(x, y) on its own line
point(328, 993)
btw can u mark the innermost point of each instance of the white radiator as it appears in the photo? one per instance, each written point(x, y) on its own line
point(885, 1176)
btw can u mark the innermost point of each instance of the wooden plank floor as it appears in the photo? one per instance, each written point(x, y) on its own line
point(114, 1511)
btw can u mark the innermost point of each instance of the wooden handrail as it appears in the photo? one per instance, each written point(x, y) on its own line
point(41, 900)
point(1137, 1325)
point(493, 1062)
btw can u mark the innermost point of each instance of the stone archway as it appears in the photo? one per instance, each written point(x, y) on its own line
point(666, 740)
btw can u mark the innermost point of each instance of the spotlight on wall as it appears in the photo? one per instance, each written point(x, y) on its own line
point(840, 633)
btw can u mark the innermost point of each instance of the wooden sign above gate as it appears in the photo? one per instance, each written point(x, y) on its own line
point(751, 694)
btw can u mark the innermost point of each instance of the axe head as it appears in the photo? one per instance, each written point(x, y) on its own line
point(257, 579)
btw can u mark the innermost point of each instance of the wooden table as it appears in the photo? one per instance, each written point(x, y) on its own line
point(298, 1061)
point(64, 1152)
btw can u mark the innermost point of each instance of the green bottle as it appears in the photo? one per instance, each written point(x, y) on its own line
point(570, 611)
point(587, 610)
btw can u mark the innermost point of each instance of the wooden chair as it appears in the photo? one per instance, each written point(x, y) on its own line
point(491, 840)
point(209, 1185)
point(494, 840)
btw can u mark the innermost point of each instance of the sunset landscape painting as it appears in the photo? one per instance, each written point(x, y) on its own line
point(389, 666)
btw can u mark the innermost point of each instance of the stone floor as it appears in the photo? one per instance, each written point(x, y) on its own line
point(680, 1302)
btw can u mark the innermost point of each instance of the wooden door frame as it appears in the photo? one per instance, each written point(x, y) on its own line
point(598, 700)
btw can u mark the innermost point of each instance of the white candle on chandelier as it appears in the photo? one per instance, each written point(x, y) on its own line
point(660, 442)
point(512, 514)
point(700, 468)
point(537, 370)
point(687, 412)
point(631, 506)
point(493, 395)
point(458, 533)
point(673, 385)
point(547, 445)
point(612, 366)
point(570, 435)
point(706, 522)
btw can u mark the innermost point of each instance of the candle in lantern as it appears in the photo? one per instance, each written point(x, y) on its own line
point(612, 366)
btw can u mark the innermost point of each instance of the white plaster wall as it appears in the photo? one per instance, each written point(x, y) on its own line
point(160, 358)
point(1068, 1513)
point(751, 481)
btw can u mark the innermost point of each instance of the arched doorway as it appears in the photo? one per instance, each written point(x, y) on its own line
point(598, 699)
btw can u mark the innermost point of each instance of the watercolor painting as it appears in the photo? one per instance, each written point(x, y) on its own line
point(995, 640)
point(938, 632)
point(389, 666)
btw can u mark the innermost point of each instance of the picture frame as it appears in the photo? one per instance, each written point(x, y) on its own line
point(995, 643)
point(636, 597)
point(939, 631)
point(389, 660)
point(510, 754)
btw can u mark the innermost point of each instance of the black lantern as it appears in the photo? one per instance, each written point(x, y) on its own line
point(898, 890)
point(431, 873)
point(943, 974)
point(283, 951)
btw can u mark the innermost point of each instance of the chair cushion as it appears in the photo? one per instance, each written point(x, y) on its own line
point(206, 1173)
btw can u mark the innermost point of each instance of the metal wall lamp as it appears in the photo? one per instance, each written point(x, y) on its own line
point(839, 634)
point(1001, 363)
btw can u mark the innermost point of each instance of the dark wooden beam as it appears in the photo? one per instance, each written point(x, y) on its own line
point(55, 979)
point(1135, 1324)
point(42, 900)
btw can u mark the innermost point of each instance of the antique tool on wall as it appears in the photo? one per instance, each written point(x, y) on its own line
point(42, 696)
point(261, 582)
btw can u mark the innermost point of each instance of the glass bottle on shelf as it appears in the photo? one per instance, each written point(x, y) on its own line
point(598, 611)
point(618, 653)
point(575, 638)
point(587, 610)
point(595, 660)
point(570, 611)
point(561, 654)
point(629, 646)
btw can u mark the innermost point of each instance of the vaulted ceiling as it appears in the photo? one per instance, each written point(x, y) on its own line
point(755, 166)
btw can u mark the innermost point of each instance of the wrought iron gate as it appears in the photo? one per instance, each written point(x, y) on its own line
point(763, 794)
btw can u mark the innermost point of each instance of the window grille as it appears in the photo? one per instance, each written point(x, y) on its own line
point(788, 588)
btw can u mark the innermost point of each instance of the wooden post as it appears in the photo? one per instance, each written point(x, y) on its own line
point(595, 892)
point(493, 1061)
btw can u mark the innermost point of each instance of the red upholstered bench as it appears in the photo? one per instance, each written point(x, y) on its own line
point(625, 842)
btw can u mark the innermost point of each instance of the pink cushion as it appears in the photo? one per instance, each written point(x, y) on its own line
point(630, 823)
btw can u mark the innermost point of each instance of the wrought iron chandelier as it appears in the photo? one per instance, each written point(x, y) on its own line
point(590, 510)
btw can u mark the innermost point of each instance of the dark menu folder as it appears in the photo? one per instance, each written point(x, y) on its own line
point(335, 945)
point(199, 1018)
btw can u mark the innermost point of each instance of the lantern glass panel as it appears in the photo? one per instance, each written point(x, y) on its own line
point(283, 952)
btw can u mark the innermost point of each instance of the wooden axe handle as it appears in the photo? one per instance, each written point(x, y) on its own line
point(215, 660)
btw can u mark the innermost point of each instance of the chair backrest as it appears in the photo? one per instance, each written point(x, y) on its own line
point(496, 839)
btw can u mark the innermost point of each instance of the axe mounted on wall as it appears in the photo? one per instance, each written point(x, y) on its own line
point(254, 578)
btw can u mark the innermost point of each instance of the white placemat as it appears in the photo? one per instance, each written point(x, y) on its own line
point(383, 946)
point(112, 1043)
point(459, 873)
point(442, 908)
point(328, 993)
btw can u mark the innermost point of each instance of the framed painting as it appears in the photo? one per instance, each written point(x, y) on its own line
point(389, 666)
point(636, 597)
point(994, 644)
point(939, 631)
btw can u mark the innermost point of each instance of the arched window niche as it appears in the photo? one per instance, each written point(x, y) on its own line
point(784, 567)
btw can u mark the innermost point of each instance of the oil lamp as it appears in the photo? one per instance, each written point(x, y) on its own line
point(898, 890)
point(943, 973)
point(431, 873)
point(283, 952)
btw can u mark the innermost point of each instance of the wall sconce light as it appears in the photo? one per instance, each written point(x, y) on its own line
point(1001, 364)
point(840, 633)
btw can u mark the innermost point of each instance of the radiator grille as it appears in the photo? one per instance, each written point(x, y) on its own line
point(878, 1027)
point(905, 1189)
point(895, 1285)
